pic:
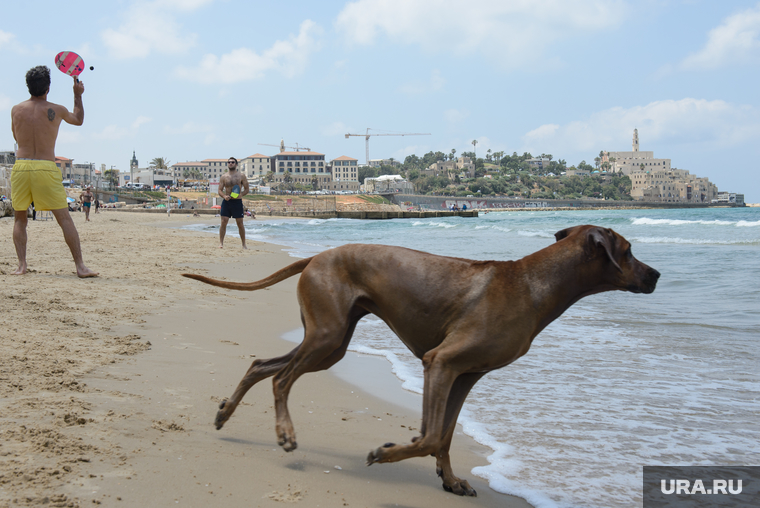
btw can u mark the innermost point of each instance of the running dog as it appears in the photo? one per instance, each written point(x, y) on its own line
point(462, 318)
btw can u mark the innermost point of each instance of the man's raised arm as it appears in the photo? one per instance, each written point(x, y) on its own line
point(77, 117)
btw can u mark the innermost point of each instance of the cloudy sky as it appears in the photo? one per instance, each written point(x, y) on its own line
point(195, 79)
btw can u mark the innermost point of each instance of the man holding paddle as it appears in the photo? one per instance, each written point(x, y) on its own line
point(35, 177)
point(232, 187)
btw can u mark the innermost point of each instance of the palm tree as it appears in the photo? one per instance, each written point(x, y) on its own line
point(597, 160)
point(488, 154)
point(269, 176)
point(453, 154)
point(475, 142)
point(160, 163)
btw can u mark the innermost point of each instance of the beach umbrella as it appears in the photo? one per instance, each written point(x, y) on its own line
point(70, 200)
point(217, 207)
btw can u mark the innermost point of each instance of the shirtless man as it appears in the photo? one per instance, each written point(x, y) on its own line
point(35, 177)
point(86, 199)
point(232, 207)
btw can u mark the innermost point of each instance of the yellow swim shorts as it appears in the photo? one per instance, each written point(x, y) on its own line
point(39, 181)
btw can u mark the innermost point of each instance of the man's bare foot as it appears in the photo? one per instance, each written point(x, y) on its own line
point(21, 270)
point(221, 245)
point(86, 272)
point(246, 248)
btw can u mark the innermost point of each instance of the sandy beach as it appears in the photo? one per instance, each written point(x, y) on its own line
point(109, 386)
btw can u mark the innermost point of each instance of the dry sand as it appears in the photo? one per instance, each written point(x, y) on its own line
point(109, 386)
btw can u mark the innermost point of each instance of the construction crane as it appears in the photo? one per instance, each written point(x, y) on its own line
point(368, 135)
point(283, 147)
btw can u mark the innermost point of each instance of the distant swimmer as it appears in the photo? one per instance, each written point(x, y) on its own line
point(232, 187)
point(35, 177)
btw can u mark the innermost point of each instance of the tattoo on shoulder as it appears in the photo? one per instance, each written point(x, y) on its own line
point(51, 114)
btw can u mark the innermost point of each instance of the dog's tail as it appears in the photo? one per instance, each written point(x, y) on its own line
point(273, 279)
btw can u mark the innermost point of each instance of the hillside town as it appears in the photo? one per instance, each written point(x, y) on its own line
point(635, 175)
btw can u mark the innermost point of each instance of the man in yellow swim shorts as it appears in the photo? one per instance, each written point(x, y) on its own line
point(35, 177)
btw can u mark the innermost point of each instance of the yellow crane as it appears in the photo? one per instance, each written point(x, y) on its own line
point(368, 135)
point(283, 147)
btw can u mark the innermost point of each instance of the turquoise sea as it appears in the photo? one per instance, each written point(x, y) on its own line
point(620, 380)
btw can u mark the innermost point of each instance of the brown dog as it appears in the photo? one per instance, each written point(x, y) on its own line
point(462, 318)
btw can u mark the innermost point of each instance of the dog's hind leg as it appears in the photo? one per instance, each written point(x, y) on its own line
point(323, 346)
point(457, 396)
point(259, 370)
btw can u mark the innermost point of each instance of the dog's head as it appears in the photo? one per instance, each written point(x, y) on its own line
point(624, 271)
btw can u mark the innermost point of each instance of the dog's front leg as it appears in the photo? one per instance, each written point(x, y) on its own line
point(438, 381)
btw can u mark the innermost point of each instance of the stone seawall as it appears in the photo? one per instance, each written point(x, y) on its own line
point(483, 203)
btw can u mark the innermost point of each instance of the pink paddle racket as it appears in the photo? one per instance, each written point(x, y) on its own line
point(69, 63)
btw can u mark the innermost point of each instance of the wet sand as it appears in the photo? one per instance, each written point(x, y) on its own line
point(109, 386)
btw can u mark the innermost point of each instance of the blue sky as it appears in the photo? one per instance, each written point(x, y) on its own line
point(195, 79)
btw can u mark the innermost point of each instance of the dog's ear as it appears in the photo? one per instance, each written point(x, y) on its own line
point(600, 238)
point(559, 235)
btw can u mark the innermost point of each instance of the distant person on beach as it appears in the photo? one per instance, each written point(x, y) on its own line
point(97, 205)
point(232, 182)
point(35, 177)
point(86, 198)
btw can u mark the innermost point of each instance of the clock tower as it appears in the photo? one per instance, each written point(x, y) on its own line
point(132, 167)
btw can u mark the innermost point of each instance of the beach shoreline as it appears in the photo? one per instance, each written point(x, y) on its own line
point(114, 383)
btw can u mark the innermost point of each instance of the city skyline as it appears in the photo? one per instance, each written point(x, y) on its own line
point(195, 79)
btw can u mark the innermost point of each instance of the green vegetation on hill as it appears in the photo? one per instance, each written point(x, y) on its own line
point(508, 175)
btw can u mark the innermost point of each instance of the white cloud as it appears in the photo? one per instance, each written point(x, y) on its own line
point(289, 57)
point(695, 122)
point(418, 87)
point(140, 121)
point(735, 41)
point(507, 31)
point(151, 27)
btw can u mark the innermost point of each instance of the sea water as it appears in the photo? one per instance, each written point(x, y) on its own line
point(619, 381)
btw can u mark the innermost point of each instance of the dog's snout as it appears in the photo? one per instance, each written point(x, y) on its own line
point(654, 274)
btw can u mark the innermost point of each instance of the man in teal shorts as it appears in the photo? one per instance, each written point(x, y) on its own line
point(35, 177)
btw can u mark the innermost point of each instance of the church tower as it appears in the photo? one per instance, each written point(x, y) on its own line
point(132, 167)
point(635, 140)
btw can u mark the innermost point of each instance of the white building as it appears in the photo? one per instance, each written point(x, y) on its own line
point(635, 160)
point(388, 183)
point(345, 169)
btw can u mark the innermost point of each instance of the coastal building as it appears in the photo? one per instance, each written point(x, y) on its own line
point(376, 163)
point(539, 164)
point(305, 168)
point(255, 166)
point(462, 166)
point(345, 168)
point(673, 186)
point(388, 183)
point(635, 160)
point(64, 165)
point(189, 171)
point(729, 198)
point(7, 158)
point(215, 168)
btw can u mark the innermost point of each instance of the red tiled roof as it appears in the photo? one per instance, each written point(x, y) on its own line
point(189, 164)
point(345, 158)
point(258, 156)
point(59, 159)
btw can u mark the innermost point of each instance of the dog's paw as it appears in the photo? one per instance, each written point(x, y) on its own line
point(460, 488)
point(287, 444)
point(372, 458)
